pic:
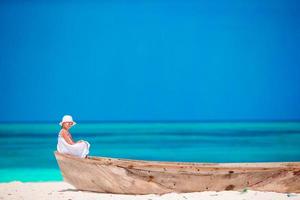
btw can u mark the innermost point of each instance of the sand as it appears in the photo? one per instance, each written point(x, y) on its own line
point(62, 190)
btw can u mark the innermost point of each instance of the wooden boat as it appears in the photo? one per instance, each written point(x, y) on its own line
point(125, 176)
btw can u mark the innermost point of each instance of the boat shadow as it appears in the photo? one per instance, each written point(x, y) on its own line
point(70, 190)
point(76, 190)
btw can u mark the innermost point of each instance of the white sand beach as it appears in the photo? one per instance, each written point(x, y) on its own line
point(61, 190)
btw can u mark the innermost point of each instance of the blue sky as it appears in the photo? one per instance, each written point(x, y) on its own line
point(149, 60)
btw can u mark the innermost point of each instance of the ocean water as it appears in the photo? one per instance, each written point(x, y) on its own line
point(27, 149)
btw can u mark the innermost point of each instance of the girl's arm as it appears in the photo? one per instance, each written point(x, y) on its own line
point(67, 138)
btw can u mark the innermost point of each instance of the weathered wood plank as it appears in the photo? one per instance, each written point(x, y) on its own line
point(124, 176)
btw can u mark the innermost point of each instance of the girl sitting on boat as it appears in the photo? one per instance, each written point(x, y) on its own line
point(66, 144)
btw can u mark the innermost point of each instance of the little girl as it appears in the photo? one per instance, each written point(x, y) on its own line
point(66, 143)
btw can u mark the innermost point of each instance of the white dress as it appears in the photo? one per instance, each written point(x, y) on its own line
point(78, 149)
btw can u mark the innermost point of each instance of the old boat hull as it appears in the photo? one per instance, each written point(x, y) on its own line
point(124, 176)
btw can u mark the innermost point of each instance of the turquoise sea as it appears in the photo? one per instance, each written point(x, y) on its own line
point(27, 149)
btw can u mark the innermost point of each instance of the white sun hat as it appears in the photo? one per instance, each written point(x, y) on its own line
point(67, 118)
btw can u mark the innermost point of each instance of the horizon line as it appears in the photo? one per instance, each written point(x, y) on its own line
point(152, 121)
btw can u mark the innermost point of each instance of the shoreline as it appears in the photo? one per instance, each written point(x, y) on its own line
point(59, 190)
